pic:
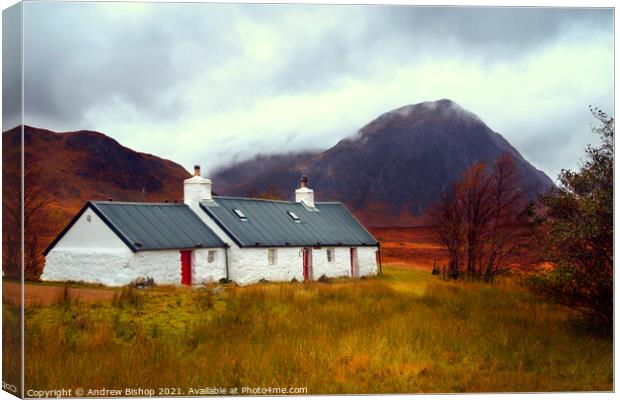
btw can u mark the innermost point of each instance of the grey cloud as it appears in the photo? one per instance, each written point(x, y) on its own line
point(77, 62)
point(11, 67)
point(411, 33)
point(83, 67)
point(557, 144)
point(501, 31)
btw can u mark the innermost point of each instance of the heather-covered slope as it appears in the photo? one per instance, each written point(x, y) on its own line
point(73, 167)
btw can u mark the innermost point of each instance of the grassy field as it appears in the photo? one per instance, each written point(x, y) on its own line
point(11, 343)
point(404, 332)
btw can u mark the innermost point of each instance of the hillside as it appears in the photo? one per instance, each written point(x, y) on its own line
point(73, 167)
point(391, 170)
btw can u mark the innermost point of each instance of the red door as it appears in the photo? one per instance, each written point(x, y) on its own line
point(354, 265)
point(186, 267)
point(307, 256)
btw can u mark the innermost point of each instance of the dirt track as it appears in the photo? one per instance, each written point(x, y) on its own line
point(45, 295)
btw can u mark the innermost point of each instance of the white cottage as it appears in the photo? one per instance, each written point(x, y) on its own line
point(210, 238)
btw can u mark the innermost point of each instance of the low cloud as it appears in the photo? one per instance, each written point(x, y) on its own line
point(211, 83)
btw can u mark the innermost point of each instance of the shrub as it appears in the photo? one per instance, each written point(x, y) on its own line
point(577, 230)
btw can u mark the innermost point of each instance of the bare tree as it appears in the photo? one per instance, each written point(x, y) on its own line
point(474, 193)
point(448, 226)
point(480, 220)
point(507, 231)
point(11, 227)
point(35, 218)
point(11, 205)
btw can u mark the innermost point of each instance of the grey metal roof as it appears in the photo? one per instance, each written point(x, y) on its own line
point(268, 223)
point(157, 226)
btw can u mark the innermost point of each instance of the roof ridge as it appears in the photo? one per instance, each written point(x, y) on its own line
point(254, 199)
point(136, 203)
point(270, 200)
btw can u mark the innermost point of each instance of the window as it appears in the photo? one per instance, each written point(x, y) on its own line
point(211, 256)
point(331, 254)
point(272, 256)
point(293, 216)
point(240, 214)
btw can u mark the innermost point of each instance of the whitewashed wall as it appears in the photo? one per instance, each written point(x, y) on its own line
point(338, 267)
point(87, 265)
point(112, 268)
point(250, 265)
point(164, 266)
point(341, 264)
point(118, 268)
point(234, 255)
point(88, 252)
point(367, 259)
point(205, 271)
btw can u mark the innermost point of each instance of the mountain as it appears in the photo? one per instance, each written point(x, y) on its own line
point(73, 167)
point(387, 173)
point(391, 170)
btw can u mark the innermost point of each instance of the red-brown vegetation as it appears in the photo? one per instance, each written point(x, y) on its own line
point(410, 246)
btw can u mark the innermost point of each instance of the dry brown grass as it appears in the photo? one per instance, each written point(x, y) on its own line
point(11, 343)
point(404, 332)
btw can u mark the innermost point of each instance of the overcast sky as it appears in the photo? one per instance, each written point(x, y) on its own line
point(211, 83)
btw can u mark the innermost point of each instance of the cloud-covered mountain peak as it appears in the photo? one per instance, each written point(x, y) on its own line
point(395, 167)
point(427, 109)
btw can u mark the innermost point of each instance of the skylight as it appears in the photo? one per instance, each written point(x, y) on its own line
point(240, 214)
point(293, 216)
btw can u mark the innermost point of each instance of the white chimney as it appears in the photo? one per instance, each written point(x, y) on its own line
point(304, 194)
point(196, 188)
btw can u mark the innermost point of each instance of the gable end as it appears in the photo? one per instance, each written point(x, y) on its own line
point(221, 225)
point(94, 209)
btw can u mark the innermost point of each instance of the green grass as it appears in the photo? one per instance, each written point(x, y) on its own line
point(403, 332)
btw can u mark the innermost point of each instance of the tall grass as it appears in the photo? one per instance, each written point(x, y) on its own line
point(11, 344)
point(65, 298)
point(370, 336)
point(128, 297)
